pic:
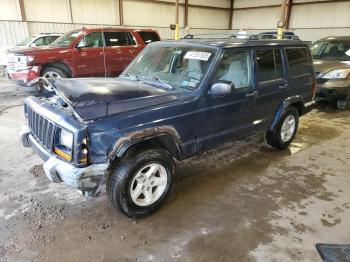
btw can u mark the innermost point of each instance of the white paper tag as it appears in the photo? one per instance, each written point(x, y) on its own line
point(196, 55)
point(347, 52)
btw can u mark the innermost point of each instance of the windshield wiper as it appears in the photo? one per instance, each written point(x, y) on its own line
point(130, 77)
point(158, 81)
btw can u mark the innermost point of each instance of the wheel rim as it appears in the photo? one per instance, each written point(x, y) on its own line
point(149, 184)
point(288, 128)
point(51, 74)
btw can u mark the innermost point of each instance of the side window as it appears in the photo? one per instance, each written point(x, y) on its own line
point(269, 65)
point(40, 41)
point(91, 40)
point(235, 67)
point(118, 39)
point(148, 37)
point(298, 61)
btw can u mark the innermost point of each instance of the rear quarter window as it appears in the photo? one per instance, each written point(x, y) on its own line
point(298, 61)
point(148, 37)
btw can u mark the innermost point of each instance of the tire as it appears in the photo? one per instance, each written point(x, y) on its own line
point(136, 176)
point(343, 104)
point(54, 72)
point(279, 138)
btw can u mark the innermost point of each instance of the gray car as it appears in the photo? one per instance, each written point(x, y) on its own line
point(332, 67)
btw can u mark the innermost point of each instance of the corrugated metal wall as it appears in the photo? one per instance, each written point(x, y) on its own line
point(311, 21)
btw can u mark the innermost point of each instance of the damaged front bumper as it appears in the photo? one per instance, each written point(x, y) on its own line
point(88, 180)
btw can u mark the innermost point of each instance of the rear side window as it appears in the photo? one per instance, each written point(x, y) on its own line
point(298, 61)
point(269, 65)
point(148, 37)
point(118, 39)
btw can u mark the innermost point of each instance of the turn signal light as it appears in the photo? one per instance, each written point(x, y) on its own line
point(62, 154)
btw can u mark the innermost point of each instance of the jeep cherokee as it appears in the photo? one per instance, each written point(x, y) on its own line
point(176, 99)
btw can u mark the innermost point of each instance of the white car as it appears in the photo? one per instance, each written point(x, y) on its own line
point(32, 41)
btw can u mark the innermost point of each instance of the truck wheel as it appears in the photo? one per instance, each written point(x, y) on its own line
point(141, 183)
point(54, 72)
point(284, 132)
point(343, 104)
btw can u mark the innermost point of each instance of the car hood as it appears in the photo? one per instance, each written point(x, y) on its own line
point(37, 49)
point(94, 98)
point(323, 65)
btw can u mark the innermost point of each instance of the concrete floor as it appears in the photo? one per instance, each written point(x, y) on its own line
point(241, 202)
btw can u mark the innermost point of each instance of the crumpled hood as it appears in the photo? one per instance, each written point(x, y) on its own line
point(93, 98)
point(323, 66)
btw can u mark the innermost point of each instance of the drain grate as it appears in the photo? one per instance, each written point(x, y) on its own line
point(334, 252)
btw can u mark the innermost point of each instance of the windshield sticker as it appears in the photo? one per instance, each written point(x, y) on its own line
point(196, 55)
point(347, 52)
point(193, 83)
point(185, 83)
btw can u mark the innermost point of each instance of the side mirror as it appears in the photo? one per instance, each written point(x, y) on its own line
point(33, 45)
point(221, 89)
point(84, 45)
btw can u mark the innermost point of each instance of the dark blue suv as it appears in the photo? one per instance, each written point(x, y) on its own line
point(176, 99)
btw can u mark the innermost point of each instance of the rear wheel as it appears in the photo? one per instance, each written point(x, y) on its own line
point(141, 183)
point(343, 104)
point(284, 132)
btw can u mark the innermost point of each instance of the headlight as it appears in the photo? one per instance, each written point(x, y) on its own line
point(66, 139)
point(337, 74)
point(22, 62)
point(64, 144)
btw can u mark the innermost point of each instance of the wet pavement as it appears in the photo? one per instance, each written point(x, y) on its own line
point(241, 202)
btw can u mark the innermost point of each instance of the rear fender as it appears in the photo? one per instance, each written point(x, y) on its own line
point(297, 101)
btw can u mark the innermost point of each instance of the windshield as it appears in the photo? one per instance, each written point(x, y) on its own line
point(332, 50)
point(26, 41)
point(66, 39)
point(177, 67)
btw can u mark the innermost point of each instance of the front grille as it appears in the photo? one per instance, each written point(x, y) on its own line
point(11, 62)
point(42, 129)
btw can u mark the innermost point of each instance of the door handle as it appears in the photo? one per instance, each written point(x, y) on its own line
point(285, 86)
point(251, 94)
point(131, 51)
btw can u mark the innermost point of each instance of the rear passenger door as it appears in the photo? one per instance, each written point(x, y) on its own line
point(300, 71)
point(272, 84)
point(121, 48)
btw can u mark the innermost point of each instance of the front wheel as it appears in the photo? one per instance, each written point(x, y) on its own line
point(140, 184)
point(284, 132)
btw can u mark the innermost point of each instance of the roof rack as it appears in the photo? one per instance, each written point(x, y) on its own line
point(261, 36)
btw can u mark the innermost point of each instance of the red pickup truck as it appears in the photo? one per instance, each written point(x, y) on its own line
point(80, 53)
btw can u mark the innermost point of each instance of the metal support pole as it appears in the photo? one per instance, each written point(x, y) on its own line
point(231, 14)
point(23, 11)
point(177, 29)
point(121, 15)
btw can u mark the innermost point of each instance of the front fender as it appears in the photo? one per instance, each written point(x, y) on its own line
point(132, 138)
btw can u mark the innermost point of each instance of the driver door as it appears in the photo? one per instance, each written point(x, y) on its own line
point(89, 56)
point(224, 118)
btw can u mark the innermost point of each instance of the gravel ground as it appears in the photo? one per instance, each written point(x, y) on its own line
point(241, 202)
